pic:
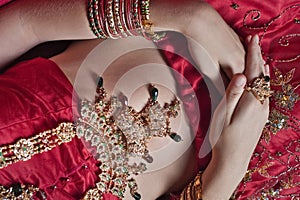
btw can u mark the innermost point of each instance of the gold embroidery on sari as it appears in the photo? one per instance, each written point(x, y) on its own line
point(285, 100)
point(253, 16)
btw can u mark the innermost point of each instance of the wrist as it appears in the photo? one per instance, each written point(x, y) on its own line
point(176, 17)
point(224, 175)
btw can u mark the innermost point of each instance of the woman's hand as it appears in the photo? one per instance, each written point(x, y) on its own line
point(204, 28)
point(245, 118)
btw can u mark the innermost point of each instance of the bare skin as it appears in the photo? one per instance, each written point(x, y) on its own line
point(158, 182)
point(35, 22)
point(31, 22)
point(174, 176)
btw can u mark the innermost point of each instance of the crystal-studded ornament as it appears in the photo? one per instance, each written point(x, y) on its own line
point(24, 149)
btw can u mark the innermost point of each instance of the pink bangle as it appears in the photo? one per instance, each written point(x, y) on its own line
point(117, 19)
point(137, 23)
point(129, 17)
point(109, 20)
point(122, 13)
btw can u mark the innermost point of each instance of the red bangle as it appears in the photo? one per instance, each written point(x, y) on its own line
point(94, 19)
point(137, 23)
point(129, 16)
point(122, 13)
point(117, 19)
point(109, 20)
point(100, 18)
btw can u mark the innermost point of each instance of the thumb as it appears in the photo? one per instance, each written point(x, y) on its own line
point(234, 92)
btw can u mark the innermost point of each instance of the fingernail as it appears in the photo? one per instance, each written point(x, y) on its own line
point(255, 39)
point(267, 69)
point(248, 39)
point(240, 82)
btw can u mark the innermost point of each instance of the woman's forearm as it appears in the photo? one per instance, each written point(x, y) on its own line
point(15, 35)
point(27, 23)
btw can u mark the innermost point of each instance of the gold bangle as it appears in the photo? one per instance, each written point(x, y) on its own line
point(147, 24)
point(145, 15)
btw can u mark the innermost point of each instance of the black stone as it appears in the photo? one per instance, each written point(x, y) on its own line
point(154, 93)
point(267, 78)
point(175, 137)
point(137, 196)
point(100, 82)
point(148, 158)
point(17, 189)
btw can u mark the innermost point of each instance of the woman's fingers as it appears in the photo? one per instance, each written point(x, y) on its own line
point(234, 92)
point(255, 67)
point(254, 61)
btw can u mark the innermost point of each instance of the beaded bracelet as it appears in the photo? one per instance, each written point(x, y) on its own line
point(123, 12)
point(117, 18)
point(145, 14)
point(95, 20)
point(121, 18)
point(130, 15)
point(147, 24)
point(110, 21)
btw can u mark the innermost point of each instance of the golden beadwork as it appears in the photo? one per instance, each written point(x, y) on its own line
point(286, 98)
point(193, 190)
point(260, 88)
point(276, 122)
point(18, 192)
point(147, 24)
point(24, 149)
point(115, 132)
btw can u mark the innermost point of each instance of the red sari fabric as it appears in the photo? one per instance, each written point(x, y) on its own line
point(3, 2)
point(273, 172)
point(36, 96)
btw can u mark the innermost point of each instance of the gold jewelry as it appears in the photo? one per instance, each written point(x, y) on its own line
point(147, 24)
point(115, 131)
point(24, 149)
point(18, 191)
point(260, 88)
point(194, 189)
point(118, 133)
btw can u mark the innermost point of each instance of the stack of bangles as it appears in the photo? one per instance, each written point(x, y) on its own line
point(121, 18)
